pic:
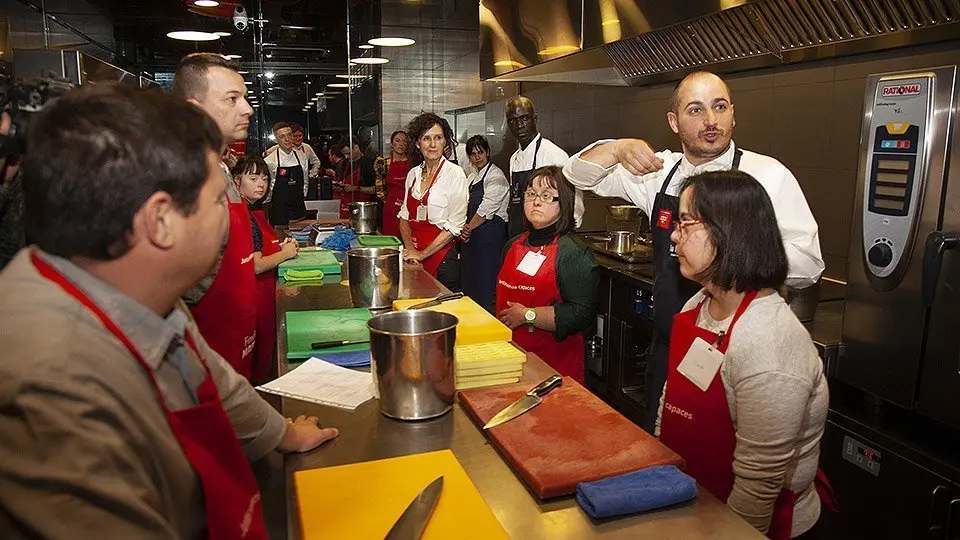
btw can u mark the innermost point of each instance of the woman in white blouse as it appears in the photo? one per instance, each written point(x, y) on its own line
point(435, 202)
point(485, 233)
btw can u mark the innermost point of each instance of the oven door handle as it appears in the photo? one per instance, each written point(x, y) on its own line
point(937, 243)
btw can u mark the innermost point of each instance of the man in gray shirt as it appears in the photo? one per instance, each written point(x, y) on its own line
point(116, 418)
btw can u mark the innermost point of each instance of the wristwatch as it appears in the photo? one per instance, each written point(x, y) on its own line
point(530, 315)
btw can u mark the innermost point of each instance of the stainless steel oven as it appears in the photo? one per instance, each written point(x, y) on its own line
point(901, 326)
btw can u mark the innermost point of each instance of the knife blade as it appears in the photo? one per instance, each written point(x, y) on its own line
point(437, 301)
point(414, 519)
point(336, 343)
point(529, 400)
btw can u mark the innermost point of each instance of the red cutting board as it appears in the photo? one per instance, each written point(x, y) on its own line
point(571, 437)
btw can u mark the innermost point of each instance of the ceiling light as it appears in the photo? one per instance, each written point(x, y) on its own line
point(369, 60)
point(351, 76)
point(247, 82)
point(243, 72)
point(339, 85)
point(232, 56)
point(222, 34)
point(192, 35)
point(269, 75)
point(365, 47)
point(295, 27)
point(391, 41)
point(206, 3)
point(319, 94)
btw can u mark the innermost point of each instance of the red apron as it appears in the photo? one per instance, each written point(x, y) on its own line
point(424, 232)
point(536, 291)
point(205, 434)
point(227, 313)
point(396, 182)
point(692, 417)
point(265, 351)
point(347, 197)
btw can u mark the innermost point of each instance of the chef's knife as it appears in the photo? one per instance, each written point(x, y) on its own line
point(414, 519)
point(336, 343)
point(529, 400)
point(437, 301)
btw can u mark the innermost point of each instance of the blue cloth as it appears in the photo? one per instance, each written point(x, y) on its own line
point(637, 491)
point(347, 359)
point(339, 240)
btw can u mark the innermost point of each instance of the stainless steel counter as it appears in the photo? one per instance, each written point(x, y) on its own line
point(366, 435)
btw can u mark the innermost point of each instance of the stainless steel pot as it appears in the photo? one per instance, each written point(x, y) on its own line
point(621, 241)
point(624, 212)
point(374, 275)
point(412, 362)
point(803, 302)
point(363, 217)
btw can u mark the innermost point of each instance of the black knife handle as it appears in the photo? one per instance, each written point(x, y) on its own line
point(326, 344)
point(546, 386)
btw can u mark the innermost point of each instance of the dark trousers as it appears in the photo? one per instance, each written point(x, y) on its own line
point(448, 273)
point(654, 378)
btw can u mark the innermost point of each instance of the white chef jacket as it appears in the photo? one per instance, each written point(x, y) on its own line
point(286, 160)
point(496, 191)
point(447, 206)
point(305, 149)
point(549, 154)
point(797, 225)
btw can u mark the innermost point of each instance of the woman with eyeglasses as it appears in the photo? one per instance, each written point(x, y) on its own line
point(548, 286)
point(746, 400)
point(483, 237)
point(435, 201)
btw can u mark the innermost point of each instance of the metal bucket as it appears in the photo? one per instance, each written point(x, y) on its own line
point(374, 275)
point(363, 217)
point(412, 355)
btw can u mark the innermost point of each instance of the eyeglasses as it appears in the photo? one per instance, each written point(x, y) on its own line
point(680, 225)
point(545, 198)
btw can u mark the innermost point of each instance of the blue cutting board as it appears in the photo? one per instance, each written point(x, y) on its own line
point(307, 327)
point(322, 259)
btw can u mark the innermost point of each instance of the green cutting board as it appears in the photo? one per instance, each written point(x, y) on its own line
point(307, 327)
point(311, 260)
point(370, 240)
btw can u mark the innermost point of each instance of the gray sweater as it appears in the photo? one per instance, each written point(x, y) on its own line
point(778, 398)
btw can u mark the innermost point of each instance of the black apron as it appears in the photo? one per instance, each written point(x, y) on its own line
point(670, 291)
point(480, 257)
point(287, 199)
point(519, 182)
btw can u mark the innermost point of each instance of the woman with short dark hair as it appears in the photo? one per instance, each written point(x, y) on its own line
point(435, 201)
point(485, 233)
point(750, 436)
point(548, 286)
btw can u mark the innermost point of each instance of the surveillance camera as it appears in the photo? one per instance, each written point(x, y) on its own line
point(240, 19)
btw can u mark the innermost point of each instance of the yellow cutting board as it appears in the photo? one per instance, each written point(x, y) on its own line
point(476, 324)
point(363, 500)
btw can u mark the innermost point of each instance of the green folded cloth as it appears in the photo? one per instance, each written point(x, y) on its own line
point(300, 276)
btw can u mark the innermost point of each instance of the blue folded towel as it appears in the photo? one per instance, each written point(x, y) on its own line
point(638, 491)
point(347, 359)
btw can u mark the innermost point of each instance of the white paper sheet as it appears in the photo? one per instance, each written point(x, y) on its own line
point(321, 382)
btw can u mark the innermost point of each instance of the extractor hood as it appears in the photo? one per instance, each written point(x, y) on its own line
point(754, 34)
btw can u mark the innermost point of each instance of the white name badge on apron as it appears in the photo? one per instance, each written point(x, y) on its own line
point(701, 363)
point(422, 212)
point(531, 263)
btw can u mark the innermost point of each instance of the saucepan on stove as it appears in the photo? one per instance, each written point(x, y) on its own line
point(618, 241)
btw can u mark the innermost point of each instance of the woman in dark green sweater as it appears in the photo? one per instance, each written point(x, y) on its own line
point(547, 289)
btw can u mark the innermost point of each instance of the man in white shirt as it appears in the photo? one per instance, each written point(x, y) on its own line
point(291, 167)
point(535, 151)
point(702, 114)
point(313, 161)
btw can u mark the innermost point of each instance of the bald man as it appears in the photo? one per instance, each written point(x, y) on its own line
point(535, 151)
point(701, 113)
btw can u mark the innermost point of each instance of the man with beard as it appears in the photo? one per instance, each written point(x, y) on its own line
point(701, 112)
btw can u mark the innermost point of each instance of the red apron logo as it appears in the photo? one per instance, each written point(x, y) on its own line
point(665, 218)
point(901, 90)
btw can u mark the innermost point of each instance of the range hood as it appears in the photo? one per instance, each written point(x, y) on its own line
point(755, 34)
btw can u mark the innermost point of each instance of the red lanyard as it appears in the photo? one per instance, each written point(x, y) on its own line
point(434, 181)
